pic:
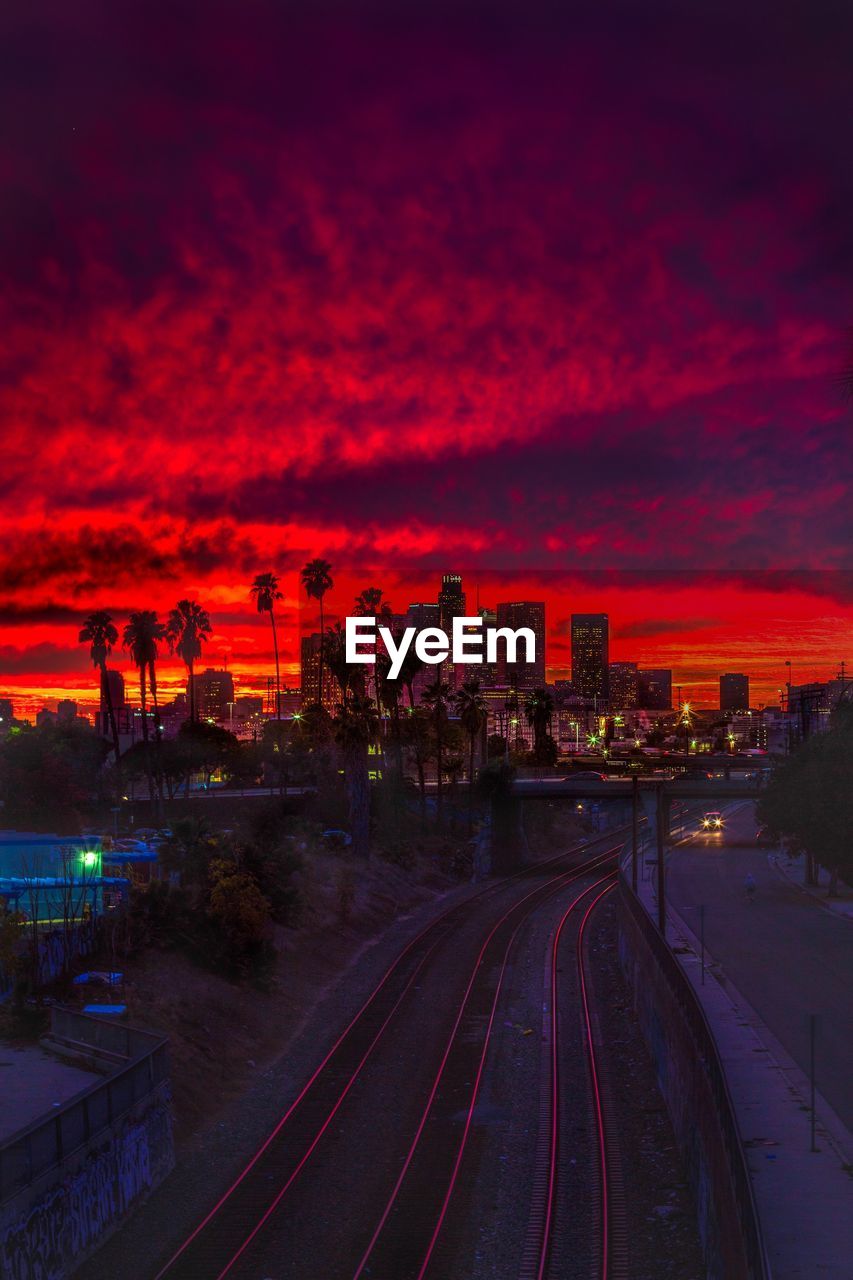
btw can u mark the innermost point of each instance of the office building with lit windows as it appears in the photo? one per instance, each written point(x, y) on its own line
point(590, 656)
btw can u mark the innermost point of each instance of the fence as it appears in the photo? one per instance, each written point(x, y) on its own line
point(45, 1144)
point(705, 1057)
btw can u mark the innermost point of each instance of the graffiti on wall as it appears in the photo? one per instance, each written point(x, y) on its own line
point(61, 1227)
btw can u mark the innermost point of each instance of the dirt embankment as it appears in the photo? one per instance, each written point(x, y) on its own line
point(221, 1033)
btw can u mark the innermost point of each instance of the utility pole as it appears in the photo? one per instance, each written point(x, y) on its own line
point(661, 867)
point(635, 816)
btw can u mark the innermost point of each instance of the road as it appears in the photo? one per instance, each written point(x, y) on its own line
point(787, 955)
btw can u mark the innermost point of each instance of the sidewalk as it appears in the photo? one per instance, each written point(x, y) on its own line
point(793, 869)
point(804, 1198)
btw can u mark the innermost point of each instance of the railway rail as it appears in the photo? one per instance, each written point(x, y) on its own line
point(406, 1239)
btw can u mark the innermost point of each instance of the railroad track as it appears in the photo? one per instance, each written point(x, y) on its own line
point(567, 1237)
point(405, 1237)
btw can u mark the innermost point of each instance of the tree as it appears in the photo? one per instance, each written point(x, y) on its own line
point(189, 850)
point(51, 774)
point(350, 678)
point(317, 580)
point(411, 668)
point(265, 592)
point(240, 912)
point(101, 634)
point(471, 708)
point(141, 637)
point(538, 711)
point(355, 729)
point(389, 697)
point(187, 629)
point(808, 799)
point(435, 697)
point(369, 604)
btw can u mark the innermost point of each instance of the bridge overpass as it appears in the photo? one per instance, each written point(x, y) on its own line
point(654, 796)
point(679, 788)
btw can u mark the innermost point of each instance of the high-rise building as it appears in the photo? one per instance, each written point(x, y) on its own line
point(655, 688)
point(310, 665)
point(66, 711)
point(6, 712)
point(516, 614)
point(486, 672)
point(213, 691)
point(451, 600)
point(590, 650)
point(422, 615)
point(624, 691)
point(451, 604)
point(734, 692)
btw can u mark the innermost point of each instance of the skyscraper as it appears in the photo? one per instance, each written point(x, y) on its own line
point(451, 600)
point(451, 604)
point(590, 650)
point(213, 690)
point(310, 682)
point(522, 613)
point(655, 688)
point(734, 692)
point(624, 691)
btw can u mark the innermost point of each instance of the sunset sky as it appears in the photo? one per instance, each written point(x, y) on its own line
point(552, 295)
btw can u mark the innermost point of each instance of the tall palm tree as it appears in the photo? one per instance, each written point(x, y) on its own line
point(101, 634)
point(355, 729)
point(350, 678)
point(539, 711)
point(389, 697)
point(141, 636)
point(265, 593)
point(187, 629)
point(411, 668)
point(368, 603)
point(471, 707)
point(317, 580)
point(435, 697)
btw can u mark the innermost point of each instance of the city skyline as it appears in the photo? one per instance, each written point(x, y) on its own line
point(698, 654)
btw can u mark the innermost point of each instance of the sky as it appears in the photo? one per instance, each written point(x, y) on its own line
point(552, 295)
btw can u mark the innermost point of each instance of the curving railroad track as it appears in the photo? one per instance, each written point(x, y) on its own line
point(362, 1175)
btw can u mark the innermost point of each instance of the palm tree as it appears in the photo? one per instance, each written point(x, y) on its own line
point(411, 668)
point(350, 679)
point(368, 603)
point(101, 634)
point(435, 697)
point(388, 691)
point(187, 629)
point(265, 592)
point(471, 707)
point(355, 729)
point(141, 637)
point(538, 711)
point(317, 580)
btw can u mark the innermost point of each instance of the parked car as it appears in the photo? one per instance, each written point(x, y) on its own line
point(765, 838)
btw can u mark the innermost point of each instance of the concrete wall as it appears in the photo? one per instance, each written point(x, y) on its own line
point(695, 1095)
point(50, 1222)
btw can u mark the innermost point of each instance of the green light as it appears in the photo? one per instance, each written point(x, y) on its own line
point(90, 859)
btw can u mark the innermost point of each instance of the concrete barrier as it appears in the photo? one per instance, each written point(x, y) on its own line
point(68, 1180)
point(694, 1087)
